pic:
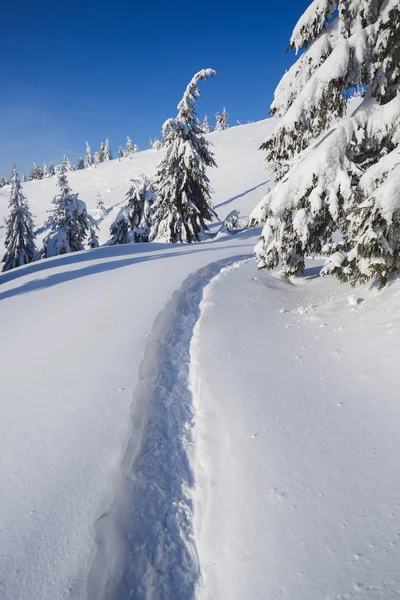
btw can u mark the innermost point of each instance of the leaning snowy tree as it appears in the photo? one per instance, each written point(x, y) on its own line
point(183, 189)
point(69, 222)
point(348, 180)
point(20, 236)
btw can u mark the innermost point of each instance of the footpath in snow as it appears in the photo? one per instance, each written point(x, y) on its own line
point(296, 439)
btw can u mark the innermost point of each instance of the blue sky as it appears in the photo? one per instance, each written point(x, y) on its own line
point(87, 70)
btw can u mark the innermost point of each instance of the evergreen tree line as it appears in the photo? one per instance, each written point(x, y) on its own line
point(337, 187)
point(105, 154)
point(176, 207)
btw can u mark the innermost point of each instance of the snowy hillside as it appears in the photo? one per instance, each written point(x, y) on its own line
point(176, 424)
point(241, 172)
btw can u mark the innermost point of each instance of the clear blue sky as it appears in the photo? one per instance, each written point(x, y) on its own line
point(87, 70)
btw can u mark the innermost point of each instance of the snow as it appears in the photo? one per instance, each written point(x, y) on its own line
point(175, 424)
point(296, 439)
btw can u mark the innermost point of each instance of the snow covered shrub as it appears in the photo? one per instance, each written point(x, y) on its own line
point(336, 171)
point(183, 189)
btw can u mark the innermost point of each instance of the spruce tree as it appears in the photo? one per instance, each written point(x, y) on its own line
point(69, 222)
point(222, 120)
point(183, 190)
point(121, 152)
point(89, 161)
point(80, 164)
point(135, 148)
point(20, 237)
point(23, 178)
point(101, 154)
point(128, 147)
point(102, 211)
point(45, 171)
point(347, 180)
point(36, 172)
point(140, 199)
point(206, 126)
point(93, 241)
point(51, 170)
point(120, 229)
point(107, 152)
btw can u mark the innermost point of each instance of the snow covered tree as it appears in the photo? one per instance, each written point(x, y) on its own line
point(221, 120)
point(183, 189)
point(80, 164)
point(101, 153)
point(36, 172)
point(120, 230)
point(93, 241)
point(155, 144)
point(67, 165)
point(140, 199)
point(51, 170)
point(23, 178)
point(347, 180)
point(107, 151)
point(96, 158)
point(89, 161)
point(134, 220)
point(102, 211)
point(128, 147)
point(20, 237)
point(69, 222)
point(135, 149)
point(45, 171)
point(3, 182)
point(206, 126)
point(121, 152)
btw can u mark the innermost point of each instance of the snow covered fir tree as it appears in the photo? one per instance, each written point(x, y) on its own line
point(183, 189)
point(88, 161)
point(20, 236)
point(347, 181)
point(221, 120)
point(69, 222)
point(133, 222)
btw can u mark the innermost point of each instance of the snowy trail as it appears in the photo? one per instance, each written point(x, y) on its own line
point(296, 440)
point(145, 544)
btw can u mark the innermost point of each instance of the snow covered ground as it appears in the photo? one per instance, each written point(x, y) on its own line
point(174, 424)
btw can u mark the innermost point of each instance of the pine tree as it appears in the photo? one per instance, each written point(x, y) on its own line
point(3, 182)
point(80, 164)
point(120, 230)
point(20, 236)
point(89, 161)
point(135, 149)
point(128, 147)
point(101, 152)
point(206, 126)
point(347, 180)
point(45, 171)
point(23, 178)
point(96, 158)
point(36, 172)
point(107, 151)
point(93, 241)
point(51, 170)
point(183, 189)
point(67, 165)
point(69, 222)
point(102, 211)
point(222, 120)
point(140, 200)
point(121, 152)
point(156, 144)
